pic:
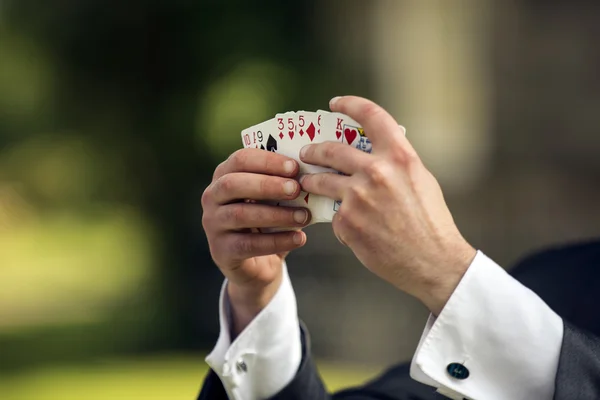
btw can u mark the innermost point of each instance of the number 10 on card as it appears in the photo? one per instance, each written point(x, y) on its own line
point(250, 139)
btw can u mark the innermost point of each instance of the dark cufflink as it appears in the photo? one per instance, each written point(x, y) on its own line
point(457, 371)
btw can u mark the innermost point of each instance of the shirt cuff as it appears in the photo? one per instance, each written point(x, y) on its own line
point(503, 341)
point(265, 357)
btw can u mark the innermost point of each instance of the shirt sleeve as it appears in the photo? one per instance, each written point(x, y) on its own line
point(265, 357)
point(495, 339)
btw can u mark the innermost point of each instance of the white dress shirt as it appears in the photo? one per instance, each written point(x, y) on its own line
point(507, 338)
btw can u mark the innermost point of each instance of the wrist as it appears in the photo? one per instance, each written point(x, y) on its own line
point(247, 301)
point(439, 288)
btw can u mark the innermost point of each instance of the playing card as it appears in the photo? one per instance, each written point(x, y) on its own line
point(290, 144)
point(307, 133)
point(261, 136)
point(286, 132)
point(306, 126)
point(341, 128)
point(321, 114)
point(326, 131)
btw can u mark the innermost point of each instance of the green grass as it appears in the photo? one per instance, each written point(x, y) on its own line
point(169, 377)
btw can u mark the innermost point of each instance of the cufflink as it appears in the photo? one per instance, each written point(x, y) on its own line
point(241, 366)
point(457, 371)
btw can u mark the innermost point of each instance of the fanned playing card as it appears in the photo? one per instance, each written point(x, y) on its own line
point(341, 128)
point(289, 132)
point(307, 131)
point(296, 132)
point(286, 132)
point(261, 136)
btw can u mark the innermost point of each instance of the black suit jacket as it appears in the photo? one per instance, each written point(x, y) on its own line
point(567, 279)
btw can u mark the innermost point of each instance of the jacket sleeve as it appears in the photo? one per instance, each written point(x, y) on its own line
point(212, 388)
point(578, 375)
point(394, 384)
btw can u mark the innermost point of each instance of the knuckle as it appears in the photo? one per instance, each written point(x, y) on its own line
point(336, 222)
point(324, 181)
point(340, 224)
point(242, 246)
point(279, 214)
point(406, 158)
point(329, 151)
point(239, 159)
point(205, 221)
point(267, 215)
point(318, 180)
point(206, 197)
point(310, 182)
point(235, 214)
point(412, 158)
point(348, 224)
point(357, 192)
point(266, 186)
point(274, 243)
point(377, 172)
point(224, 184)
point(343, 215)
point(219, 169)
point(270, 163)
point(216, 251)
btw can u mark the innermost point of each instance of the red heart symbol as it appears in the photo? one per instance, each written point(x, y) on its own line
point(350, 135)
point(338, 134)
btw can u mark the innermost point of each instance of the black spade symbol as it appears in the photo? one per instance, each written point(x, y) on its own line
point(272, 144)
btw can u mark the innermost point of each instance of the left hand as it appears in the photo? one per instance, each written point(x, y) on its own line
point(393, 214)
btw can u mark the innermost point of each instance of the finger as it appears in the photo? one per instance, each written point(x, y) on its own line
point(326, 184)
point(336, 225)
point(241, 186)
point(259, 162)
point(338, 156)
point(247, 245)
point(243, 216)
point(379, 125)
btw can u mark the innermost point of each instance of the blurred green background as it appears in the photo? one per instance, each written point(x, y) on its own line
point(114, 114)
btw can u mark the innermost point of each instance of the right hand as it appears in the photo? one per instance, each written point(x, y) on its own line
point(252, 261)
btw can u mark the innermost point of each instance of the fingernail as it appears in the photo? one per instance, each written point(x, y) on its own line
point(300, 216)
point(298, 237)
point(302, 179)
point(304, 150)
point(289, 187)
point(289, 166)
point(334, 100)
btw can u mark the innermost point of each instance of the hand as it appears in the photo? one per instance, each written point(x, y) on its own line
point(393, 214)
point(252, 261)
